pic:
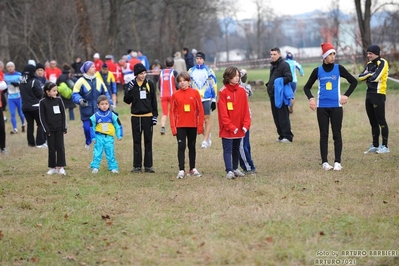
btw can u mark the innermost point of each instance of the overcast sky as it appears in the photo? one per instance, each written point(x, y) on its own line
point(293, 7)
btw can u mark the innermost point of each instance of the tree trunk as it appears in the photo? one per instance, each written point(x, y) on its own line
point(84, 28)
point(364, 24)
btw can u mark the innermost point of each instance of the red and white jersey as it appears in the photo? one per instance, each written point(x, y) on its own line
point(167, 82)
point(127, 73)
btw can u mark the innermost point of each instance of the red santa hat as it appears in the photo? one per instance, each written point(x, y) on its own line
point(327, 49)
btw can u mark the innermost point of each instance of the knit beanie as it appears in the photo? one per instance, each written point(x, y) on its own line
point(39, 66)
point(139, 68)
point(289, 56)
point(327, 49)
point(86, 66)
point(201, 55)
point(375, 49)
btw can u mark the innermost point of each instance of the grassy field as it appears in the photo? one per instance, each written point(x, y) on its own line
point(290, 213)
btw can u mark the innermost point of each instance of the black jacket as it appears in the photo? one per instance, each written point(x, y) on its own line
point(279, 69)
point(52, 115)
point(31, 91)
point(141, 105)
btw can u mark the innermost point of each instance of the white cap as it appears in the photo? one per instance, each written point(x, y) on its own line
point(31, 62)
point(96, 55)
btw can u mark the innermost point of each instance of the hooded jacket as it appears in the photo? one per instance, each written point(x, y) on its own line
point(31, 91)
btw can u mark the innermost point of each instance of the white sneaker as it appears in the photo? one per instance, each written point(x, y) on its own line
point(181, 174)
point(52, 171)
point(62, 171)
point(194, 172)
point(285, 141)
point(326, 166)
point(44, 145)
point(230, 175)
point(337, 167)
point(209, 142)
point(238, 173)
point(94, 171)
point(372, 149)
point(383, 149)
point(114, 171)
point(204, 144)
point(87, 146)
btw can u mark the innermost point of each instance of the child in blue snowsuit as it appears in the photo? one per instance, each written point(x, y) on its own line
point(105, 125)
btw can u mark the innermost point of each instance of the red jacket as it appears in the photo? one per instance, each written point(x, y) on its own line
point(52, 74)
point(115, 69)
point(98, 64)
point(186, 110)
point(233, 111)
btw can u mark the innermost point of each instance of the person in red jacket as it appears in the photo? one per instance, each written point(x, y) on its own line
point(98, 63)
point(53, 72)
point(186, 121)
point(234, 119)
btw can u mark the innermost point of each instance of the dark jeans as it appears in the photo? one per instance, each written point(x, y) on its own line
point(32, 117)
point(231, 153)
point(324, 117)
point(189, 134)
point(281, 117)
point(375, 109)
point(56, 150)
point(140, 126)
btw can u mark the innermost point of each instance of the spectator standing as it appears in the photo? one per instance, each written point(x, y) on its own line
point(186, 121)
point(329, 102)
point(3, 86)
point(280, 69)
point(375, 74)
point(76, 65)
point(246, 162)
point(143, 59)
point(65, 84)
point(203, 79)
point(188, 57)
point(115, 70)
point(85, 93)
point(31, 94)
point(127, 73)
point(53, 121)
point(3, 92)
point(294, 65)
point(155, 71)
point(234, 119)
point(180, 64)
point(12, 78)
point(109, 80)
point(141, 96)
point(98, 63)
point(53, 72)
point(105, 125)
point(167, 87)
point(40, 74)
point(134, 60)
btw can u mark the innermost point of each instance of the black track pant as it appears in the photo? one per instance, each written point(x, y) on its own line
point(375, 109)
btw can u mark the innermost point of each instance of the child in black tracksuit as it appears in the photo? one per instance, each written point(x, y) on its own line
point(53, 120)
point(140, 94)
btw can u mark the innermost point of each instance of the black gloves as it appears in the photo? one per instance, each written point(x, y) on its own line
point(213, 106)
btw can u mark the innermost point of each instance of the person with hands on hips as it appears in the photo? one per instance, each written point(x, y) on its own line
point(186, 121)
point(329, 102)
point(234, 119)
point(105, 125)
point(140, 94)
point(53, 120)
point(203, 79)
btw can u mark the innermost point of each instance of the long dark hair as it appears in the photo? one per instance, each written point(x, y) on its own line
point(47, 87)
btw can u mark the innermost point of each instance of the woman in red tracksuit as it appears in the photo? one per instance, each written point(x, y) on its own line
point(186, 121)
point(234, 119)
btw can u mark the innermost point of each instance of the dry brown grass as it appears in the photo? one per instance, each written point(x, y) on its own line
point(281, 216)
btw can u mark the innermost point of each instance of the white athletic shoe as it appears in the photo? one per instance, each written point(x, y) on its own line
point(94, 171)
point(181, 174)
point(62, 171)
point(238, 173)
point(326, 166)
point(337, 167)
point(230, 175)
point(52, 171)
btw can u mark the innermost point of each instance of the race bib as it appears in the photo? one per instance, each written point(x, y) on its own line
point(328, 86)
point(104, 127)
point(186, 108)
point(56, 109)
point(143, 94)
point(230, 106)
